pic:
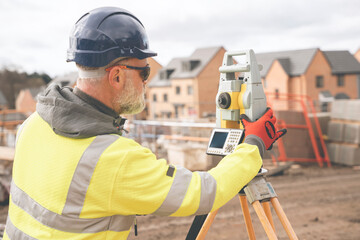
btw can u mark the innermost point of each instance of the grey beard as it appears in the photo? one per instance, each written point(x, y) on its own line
point(131, 102)
point(132, 107)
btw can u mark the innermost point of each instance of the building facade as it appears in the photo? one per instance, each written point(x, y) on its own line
point(311, 72)
point(186, 88)
point(26, 100)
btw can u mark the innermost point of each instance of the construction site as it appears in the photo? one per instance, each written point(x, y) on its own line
point(314, 169)
point(179, 120)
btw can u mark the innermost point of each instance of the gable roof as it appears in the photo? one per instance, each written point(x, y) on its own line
point(203, 55)
point(342, 62)
point(198, 61)
point(286, 64)
point(3, 100)
point(294, 62)
point(158, 81)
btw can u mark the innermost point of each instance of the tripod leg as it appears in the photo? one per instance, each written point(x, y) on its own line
point(205, 228)
point(267, 210)
point(283, 219)
point(264, 221)
point(247, 217)
point(195, 227)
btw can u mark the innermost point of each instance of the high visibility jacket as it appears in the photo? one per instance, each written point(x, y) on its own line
point(92, 188)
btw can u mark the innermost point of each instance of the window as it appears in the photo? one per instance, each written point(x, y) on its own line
point(190, 90)
point(194, 64)
point(165, 74)
point(177, 90)
point(165, 97)
point(176, 111)
point(319, 81)
point(154, 97)
point(341, 80)
point(188, 66)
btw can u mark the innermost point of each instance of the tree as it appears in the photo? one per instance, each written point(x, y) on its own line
point(12, 81)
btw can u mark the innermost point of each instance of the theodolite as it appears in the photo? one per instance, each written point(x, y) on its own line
point(241, 92)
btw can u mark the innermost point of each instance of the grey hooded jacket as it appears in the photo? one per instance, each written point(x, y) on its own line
point(72, 113)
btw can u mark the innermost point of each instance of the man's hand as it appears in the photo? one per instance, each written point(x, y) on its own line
point(263, 128)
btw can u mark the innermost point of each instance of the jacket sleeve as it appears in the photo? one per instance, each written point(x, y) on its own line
point(146, 185)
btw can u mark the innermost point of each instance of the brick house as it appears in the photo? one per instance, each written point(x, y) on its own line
point(186, 87)
point(26, 100)
point(313, 72)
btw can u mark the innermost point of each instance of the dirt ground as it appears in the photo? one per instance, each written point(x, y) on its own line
point(321, 203)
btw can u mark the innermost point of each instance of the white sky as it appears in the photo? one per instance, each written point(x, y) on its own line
point(34, 33)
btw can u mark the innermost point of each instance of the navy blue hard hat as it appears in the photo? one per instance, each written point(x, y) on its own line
point(105, 34)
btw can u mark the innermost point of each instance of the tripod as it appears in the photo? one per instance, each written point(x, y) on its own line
point(258, 192)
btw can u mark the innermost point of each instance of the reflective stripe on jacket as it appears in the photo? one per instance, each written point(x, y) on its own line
point(92, 188)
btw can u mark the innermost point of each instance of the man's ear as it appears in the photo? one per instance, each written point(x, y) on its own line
point(116, 78)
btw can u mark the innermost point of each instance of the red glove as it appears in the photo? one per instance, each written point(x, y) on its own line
point(263, 128)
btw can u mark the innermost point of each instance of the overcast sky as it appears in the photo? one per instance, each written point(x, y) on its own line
point(34, 33)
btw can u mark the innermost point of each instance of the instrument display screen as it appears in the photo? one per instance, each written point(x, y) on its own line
point(218, 140)
point(223, 141)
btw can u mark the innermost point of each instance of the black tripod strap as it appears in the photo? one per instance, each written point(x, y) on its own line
point(195, 227)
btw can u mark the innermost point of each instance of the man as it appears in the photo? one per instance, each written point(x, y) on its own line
point(76, 177)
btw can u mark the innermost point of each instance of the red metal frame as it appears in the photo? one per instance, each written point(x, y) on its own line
point(303, 100)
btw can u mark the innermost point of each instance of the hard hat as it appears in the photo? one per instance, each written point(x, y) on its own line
point(105, 34)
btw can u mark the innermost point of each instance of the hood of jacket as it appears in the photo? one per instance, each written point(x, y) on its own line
point(70, 116)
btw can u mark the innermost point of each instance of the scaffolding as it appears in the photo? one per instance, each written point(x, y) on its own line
point(302, 104)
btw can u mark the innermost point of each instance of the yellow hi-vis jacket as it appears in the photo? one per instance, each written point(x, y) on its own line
point(92, 188)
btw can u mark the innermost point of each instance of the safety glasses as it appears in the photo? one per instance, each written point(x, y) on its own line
point(143, 71)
